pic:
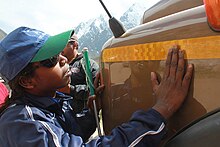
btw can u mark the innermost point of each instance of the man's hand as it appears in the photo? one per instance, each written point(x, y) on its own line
point(98, 90)
point(173, 88)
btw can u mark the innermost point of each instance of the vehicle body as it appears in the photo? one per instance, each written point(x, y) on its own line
point(126, 63)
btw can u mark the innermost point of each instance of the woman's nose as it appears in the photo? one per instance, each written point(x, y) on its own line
point(63, 60)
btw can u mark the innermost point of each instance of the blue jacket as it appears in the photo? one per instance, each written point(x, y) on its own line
point(47, 122)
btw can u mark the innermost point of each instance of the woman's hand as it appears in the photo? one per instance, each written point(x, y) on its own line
point(173, 88)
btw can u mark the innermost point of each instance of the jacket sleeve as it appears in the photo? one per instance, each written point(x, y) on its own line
point(144, 129)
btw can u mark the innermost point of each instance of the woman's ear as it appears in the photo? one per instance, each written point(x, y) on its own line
point(26, 82)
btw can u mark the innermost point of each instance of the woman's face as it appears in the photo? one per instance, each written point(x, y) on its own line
point(48, 79)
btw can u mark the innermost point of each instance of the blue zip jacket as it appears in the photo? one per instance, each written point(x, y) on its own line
point(48, 122)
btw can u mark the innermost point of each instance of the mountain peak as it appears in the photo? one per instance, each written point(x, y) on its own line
point(95, 32)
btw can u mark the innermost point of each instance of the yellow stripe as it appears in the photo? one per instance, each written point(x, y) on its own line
point(195, 48)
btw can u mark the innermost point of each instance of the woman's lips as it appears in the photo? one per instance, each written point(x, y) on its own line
point(68, 73)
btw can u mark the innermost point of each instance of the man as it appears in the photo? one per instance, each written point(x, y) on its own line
point(78, 87)
point(37, 115)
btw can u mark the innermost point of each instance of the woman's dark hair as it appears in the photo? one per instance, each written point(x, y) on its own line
point(16, 88)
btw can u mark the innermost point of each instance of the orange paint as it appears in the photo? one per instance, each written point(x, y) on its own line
point(213, 13)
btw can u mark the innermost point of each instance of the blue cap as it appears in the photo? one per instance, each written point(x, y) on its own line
point(25, 45)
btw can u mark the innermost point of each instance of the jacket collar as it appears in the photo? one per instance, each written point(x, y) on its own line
point(49, 103)
point(78, 57)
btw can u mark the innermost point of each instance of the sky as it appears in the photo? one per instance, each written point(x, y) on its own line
point(55, 16)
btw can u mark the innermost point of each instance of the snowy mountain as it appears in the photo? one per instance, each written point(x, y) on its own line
point(132, 16)
point(95, 32)
point(2, 34)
